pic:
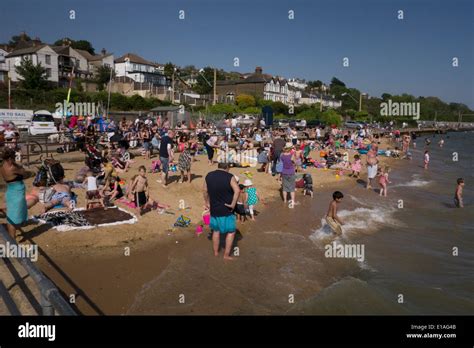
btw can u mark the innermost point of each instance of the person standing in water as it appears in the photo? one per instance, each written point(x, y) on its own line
point(13, 174)
point(221, 193)
point(331, 217)
point(372, 166)
point(458, 202)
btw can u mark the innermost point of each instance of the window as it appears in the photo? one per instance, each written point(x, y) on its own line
point(48, 59)
point(48, 72)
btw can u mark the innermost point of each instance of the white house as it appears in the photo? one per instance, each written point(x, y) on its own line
point(3, 66)
point(327, 101)
point(276, 89)
point(297, 83)
point(140, 70)
point(38, 54)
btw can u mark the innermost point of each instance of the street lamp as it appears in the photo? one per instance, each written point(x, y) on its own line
point(360, 98)
point(201, 71)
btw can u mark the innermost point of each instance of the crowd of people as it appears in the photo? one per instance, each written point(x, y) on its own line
point(283, 153)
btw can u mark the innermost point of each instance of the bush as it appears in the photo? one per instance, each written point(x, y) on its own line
point(245, 101)
point(221, 109)
point(331, 117)
point(252, 110)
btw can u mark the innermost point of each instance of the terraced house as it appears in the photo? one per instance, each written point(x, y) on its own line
point(257, 84)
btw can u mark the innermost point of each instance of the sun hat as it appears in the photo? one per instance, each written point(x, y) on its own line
point(288, 145)
point(248, 182)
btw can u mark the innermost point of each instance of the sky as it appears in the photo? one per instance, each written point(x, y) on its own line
point(413, 55)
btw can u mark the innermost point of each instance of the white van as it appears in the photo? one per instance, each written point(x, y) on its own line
point(42, 123)
point(20, 118)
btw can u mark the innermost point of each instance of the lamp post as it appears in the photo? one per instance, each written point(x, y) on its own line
point(210, 85)
point(360, 98)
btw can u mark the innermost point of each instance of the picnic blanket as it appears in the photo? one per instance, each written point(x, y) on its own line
point(86, 219)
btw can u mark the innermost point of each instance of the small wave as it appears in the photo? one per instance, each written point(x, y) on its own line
point(415, 182)
point(360, 219)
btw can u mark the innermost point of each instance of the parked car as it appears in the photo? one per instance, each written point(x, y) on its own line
point(42, 123)
point(315, 123)
point(354, 124)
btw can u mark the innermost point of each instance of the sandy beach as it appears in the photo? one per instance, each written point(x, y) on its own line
point(108, 266)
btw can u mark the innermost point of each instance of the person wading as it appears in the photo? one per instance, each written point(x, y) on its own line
point(221, 192)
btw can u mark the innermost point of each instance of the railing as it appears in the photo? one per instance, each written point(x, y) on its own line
point(51, 300)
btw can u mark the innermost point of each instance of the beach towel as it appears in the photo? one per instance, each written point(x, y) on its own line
point(86, 219)
point(17, 211)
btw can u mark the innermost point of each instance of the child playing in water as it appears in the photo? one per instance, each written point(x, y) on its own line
point(356, 167)
point(251, 197)
point(458, 194)
point(426, 159)
point(140, 190)
point(383, 181)
point(331, 217)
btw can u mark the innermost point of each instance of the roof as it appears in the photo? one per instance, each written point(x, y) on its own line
point(62, 50)
point(27, 50)
point(134, 58)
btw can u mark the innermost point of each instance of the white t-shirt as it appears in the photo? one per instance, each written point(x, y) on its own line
point(318, 132)
point(234, 122)
point(91, 183)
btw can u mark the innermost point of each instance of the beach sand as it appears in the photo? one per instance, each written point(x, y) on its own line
point(110, 268)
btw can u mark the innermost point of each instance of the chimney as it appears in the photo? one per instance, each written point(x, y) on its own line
point(103, 51)
point(258, 70)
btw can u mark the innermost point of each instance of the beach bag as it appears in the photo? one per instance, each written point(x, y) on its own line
point(279, 166)
point(182, 221)
point(300, 183)
point(41, 178)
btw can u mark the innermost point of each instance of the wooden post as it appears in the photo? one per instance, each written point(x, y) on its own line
point(215, 91)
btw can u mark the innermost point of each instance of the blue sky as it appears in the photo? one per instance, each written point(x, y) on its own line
point(412, 55)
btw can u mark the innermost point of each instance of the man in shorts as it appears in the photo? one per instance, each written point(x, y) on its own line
point(221, 193)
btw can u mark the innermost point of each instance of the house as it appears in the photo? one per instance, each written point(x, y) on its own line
point(97, 60)
point(327, 101)
point(297, 83)
point(3, 66)
point(69, 60)
point(140, 70)
point(257, 84)
point(39, 54)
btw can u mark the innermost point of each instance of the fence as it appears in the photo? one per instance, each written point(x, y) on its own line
point(51, 300)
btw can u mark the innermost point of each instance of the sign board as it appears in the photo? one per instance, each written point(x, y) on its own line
point(20, 118)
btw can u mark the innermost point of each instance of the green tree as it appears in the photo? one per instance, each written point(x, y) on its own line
point(103, 76)
point(221, 108)
point(79, 44)
point(17, 38)
point(205, 80)
point(331, 117)
point(336, 82)
point(169, 69)
point(279, 108)
point(244, 101)
point(32, 76)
